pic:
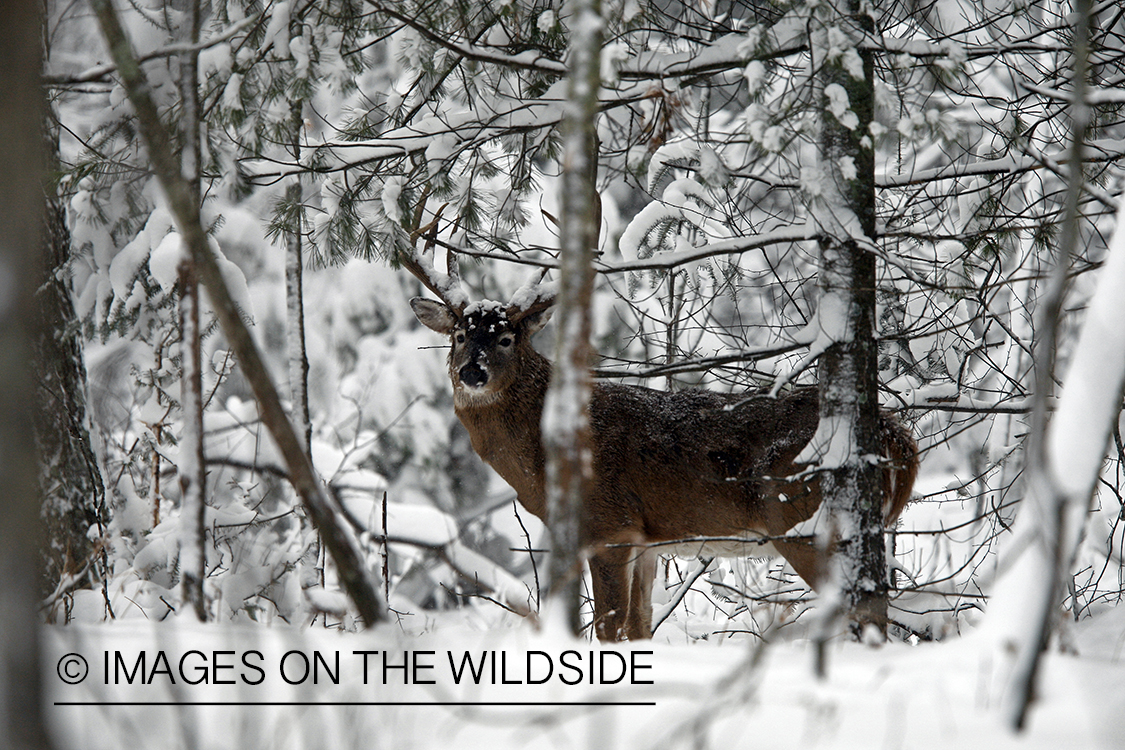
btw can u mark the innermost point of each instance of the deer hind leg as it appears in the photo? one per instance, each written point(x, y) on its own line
point(805, 557)
point(638, 623)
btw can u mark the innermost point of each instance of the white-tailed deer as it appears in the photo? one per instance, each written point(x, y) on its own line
point(668, 465)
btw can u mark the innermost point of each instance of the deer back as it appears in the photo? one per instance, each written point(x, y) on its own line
point(698, 463)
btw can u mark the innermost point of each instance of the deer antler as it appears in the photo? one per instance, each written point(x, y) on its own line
point(531, 298)
point(536, 295)
point(447, 286)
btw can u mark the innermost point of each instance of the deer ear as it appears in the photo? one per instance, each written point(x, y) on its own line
point(434, 315)
point(536, 320)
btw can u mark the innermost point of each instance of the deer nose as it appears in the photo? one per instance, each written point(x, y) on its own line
point(473, 375)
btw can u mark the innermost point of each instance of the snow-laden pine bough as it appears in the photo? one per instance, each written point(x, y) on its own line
point(714, 474)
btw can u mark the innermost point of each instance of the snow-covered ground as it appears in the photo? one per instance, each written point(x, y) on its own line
point(725, 694)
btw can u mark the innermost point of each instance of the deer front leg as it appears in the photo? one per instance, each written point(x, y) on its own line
point(622, 582)
point(610, 577)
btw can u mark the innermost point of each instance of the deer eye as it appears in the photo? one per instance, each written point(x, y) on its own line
point(460, 338)
point(505, 341)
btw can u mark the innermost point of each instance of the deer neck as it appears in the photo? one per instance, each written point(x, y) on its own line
point(505, 430)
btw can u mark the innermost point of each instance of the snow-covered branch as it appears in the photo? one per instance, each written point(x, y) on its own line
point(698, 364)
point(786, 37)
point(438, 138)
point(1104, 150)
point(101, 72)
point(529, 60)
point(733, 245)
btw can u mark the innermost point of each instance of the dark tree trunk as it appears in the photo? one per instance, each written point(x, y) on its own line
point(310, 572)
point(21, 205)
point(192, 471)
point(849, 397)
point(73, 510)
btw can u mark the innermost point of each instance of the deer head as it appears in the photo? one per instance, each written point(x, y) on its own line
point(488, 343)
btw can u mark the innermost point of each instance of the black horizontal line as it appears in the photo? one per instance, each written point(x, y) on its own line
point(499, 704)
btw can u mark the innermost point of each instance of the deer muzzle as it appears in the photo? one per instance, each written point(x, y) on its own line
point(473, 375)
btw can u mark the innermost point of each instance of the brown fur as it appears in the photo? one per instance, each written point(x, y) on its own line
point(667, 465)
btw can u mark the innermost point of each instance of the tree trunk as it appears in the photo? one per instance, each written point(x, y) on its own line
point(309, 571)
point(1065, 451)
point(566, 423)
point(295, 327)
point(294, 292)
point(22, 177)
point(848, 369)
point(69, 477)
point(192, 469)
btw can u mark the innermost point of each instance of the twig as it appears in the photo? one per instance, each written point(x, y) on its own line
point(681, 592)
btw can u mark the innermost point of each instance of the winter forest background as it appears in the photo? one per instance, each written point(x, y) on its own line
point(328, 140)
